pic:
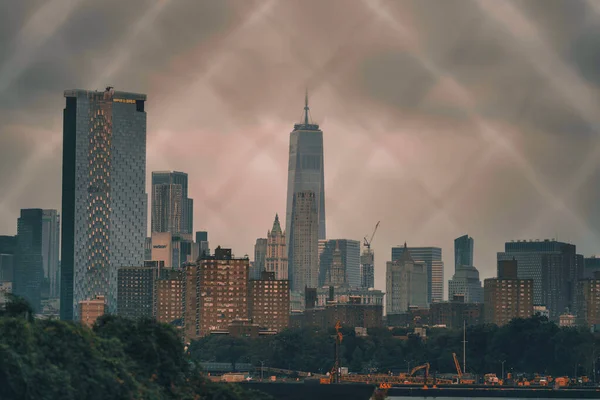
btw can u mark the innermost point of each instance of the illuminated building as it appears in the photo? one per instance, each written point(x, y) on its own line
point(104, 201)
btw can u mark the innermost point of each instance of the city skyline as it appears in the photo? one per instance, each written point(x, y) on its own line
point(365, 106)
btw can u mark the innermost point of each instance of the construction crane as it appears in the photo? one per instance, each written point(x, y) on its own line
point(459, 372)
point(334, 374)
point(367, 242)
point(420, 367)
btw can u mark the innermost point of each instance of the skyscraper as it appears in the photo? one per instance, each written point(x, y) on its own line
point(465, 280)
point(555, 268)
point(406, 283)
point(260, 258)
point(8, 245)
point(202, 242)
point(305, 174)
point(104, 203)
point(50, 249)
point(303, 267)
point(367, 269)
point(29, 262)
point(349, 262)
point(432, 257)
point(277, 256)
point(172, 210)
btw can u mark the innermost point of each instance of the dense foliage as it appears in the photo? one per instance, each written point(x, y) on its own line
point(526, 345)
point(118, 359)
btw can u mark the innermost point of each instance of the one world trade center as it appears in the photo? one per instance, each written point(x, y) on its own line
point(305, 213)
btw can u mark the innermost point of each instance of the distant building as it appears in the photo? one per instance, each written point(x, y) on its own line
point(350, 315)
point(215, 293)
point(8, 246)
point(566, 320)
point(148, 249)
point(591, 265)
point(407, 284)
point(542, 311)
point(555, 268)
point(465, 281)
point(135, 293)
point(104, 200)
point(50, 250)
point(432, 257)
point(343, 295)
point(454, 313)
point(269, 302)
point(91, 310)
point(589, 301)
point(339, 261)
point(507, 297)
point(260, 259)
point(277, 255)
point(5, 290)
point(29, 260)
point(174, 249)
point(414, 317)
point(172, 210)
point(169, 296)
point(303, 259)
point(367, 269)
point(202, 241)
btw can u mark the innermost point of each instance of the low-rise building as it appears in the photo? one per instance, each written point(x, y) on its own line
point(453, 314)
point(91, 310)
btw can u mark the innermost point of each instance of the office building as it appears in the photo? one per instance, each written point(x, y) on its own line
point(277, 255)
point(507, 296)
point(588, 297)
point(172, 209)
point(555, 268)
point(148, 249)
point(90, 310)
point(591, 265)
point(8, 246)
point(406, 284)
point(260, 258)
point(29, 261)
point(269, 302)
point(432, 257)
point(305, 197)
point(453, 314)
point(339, 261)
point(367, 269)
point(202, 242)
point(465, 281)
point(344, 295)
point(215, 293)
point(135, 293)
point(104, 201)
point(173, 249)
point(303, 259)
point(50, 249)
point(168, 302)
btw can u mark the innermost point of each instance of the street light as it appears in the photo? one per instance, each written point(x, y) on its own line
point(502, 361)
point(407, 366)
point(262, 364)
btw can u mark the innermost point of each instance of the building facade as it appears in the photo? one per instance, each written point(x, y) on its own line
point(136, 291)
point(339, 263)
point(406, 284)
point(216, 293)
point(591, 265)
point(454, 313)
point(172, 209)
point(169, 297)
point(50, 250)
point(269, 302)
point(277, 255)
point(555, 268)
point(202, 242)
point(305, 207)
point(367, 269)
point(29, 260)
point(104, 201)
point(507, 297)
point(303, 258)
point(8, 246)
point(432, 257)
point(91, 310)
point(344, 295)
point(589, 301)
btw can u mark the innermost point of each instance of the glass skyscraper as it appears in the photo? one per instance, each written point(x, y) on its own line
point(29, 265)
point(465, 280)
point(305, 174)
point(172, 210)
point(50, 250)
point(463, 251)
point(104, 201)
point(350, 259)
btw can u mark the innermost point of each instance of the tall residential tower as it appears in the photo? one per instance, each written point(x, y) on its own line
point(104, 201)
point(172, 210)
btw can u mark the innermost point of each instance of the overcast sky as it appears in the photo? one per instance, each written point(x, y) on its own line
point(440, 118)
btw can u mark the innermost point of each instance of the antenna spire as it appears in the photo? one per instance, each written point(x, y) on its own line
point(306, 109)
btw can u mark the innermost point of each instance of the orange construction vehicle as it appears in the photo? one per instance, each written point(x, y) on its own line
point(459, 379)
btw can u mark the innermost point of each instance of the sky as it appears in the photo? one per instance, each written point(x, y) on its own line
point(440, 118)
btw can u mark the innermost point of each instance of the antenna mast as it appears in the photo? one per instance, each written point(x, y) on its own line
point(464, 346)
point(306, 107)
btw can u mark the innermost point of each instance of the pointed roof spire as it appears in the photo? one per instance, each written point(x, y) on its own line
point(276, 226)
point(306, 109)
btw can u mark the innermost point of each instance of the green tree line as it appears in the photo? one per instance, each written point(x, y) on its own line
point(532, 345)
point(117, 359)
